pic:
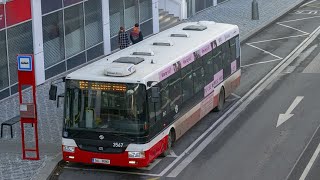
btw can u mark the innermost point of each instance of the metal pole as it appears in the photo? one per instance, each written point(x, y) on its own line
point(255, 10)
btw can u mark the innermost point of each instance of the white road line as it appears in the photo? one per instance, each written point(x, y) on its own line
point(152, 165)
point(307, 3)
point(110, 171)
point(305, 33)
point(236, 95)
point(276, 39)
point(264, 51)
point(172, 154)
point(299, 19)
point(307, 169)
point(263, 62)
point(234, 111)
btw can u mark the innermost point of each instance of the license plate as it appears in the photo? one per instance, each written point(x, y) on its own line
point(101, 161)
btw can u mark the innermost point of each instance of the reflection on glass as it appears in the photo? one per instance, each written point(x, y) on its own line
point(74, 30)
point(105, 107)
point(53, 40)
point(4, 81)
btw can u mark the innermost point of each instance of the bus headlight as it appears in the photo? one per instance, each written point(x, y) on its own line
point(68, 149)
point(136, 154)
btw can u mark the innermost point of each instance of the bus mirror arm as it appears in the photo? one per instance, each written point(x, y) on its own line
point(54, 88)
point(149, 83)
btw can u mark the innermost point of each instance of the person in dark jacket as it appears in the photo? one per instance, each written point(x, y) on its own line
point(136, 35)
point(123, 40)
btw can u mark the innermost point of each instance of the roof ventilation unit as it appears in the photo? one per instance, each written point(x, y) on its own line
point(119, 69)
point(159, 43)
point(129, 60)
point(143, 53)
point(195, 27)
point(182, 34)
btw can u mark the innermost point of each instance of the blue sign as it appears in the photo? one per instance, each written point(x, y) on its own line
point(24, 63)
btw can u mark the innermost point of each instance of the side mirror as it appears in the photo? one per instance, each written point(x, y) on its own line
point(155, 94)
point(53, 92)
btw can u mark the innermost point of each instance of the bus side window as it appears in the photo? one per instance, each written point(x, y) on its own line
point(217, 60)
point(208, 67)
point(198, 75)
point(164, 97)
point(175, 91)
point(187, 82)
point(237, 47)
point(233, 49)
point(154, 110)
point(226, 59)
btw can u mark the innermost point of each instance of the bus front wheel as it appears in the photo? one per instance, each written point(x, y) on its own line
point(171, 138)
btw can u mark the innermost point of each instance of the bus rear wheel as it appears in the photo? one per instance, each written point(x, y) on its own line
point(171, 138)
point(221, 101)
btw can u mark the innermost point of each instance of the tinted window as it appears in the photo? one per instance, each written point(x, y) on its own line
point(187, 82)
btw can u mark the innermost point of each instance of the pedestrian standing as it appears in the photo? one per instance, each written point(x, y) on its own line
point(123, 40)
point(136, 35)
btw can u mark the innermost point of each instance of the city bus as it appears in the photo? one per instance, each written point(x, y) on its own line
point(130, 107)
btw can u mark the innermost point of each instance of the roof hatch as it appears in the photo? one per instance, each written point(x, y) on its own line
point(197, 27)
point(129, 60)
point(143, 53)
point(179, 34)
point(162, 43)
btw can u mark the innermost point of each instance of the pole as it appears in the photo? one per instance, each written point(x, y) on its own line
point(255, 10)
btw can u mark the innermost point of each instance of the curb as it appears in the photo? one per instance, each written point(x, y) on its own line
point(264, 25)
point(50, 166)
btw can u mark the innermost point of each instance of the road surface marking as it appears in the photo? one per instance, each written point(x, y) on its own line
point(151, 166)
point(292, 28)
point(262, 62)
point(172, 154)
point(308, 168)
point(238, 107)
point(314, 66)
point(298, 19)
point(307, 3)
point(109, 171)
point(284, 117)
point(267, 52)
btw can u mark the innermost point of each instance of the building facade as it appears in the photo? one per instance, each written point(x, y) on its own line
point(64, 34)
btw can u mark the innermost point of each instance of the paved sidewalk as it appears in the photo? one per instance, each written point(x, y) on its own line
point(50, 117)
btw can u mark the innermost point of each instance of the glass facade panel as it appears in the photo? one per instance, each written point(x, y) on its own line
point(50, 5)
point(19, 42)
point(53, 39)
point(93, 21)
point(116, 12)
point(220, 1)
point(2, 16)
point(130, 13)
point(145, 10)
point(55, 70)
point(74, 30)
point(95, 52)
point(70, 2)
point(76, 61)
point(4, 79)
point(18, 11)
point(147, 28)
point(4, 94)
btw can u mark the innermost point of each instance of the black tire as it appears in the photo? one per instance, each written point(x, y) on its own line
point(169, 144)
point(221, 101)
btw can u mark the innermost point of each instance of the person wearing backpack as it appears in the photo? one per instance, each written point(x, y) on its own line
point(136, 35)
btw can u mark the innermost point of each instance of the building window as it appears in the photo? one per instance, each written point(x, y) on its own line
point(131, 15)
point(145, 10)
point(93, 21)
point(74, 30)
point(70, 2)
point(116, 12)
point(4, 79)
point(19, 42)
point(50, 5)
point(53, 39)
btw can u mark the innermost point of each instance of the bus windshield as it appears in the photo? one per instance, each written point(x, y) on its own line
point(105, 107)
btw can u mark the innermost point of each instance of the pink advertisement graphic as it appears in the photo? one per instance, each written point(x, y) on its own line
point(208, 89)
point(205, 49)
point(166, 73)
point(233, 66)
point(2, 16)
point(187, 60)
point(218, 78)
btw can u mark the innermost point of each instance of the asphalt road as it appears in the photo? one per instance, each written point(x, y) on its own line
point(251, 147)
